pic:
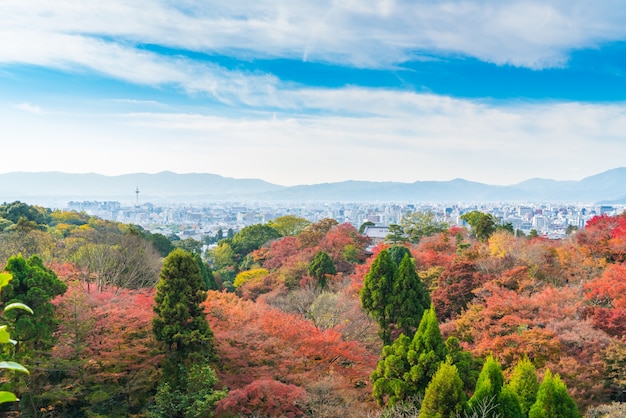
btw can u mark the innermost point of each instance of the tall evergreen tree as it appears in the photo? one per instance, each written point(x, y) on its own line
point(377, 294)
point(509, 404)
point(444, 396)
point(553, 401)
point(426, 352)
point(490, 388)
point(524, 383)
point(397, 253)
point(180, 323)
point(181, 326)
point(410, 297)
point(467, 365)
point(490, 382)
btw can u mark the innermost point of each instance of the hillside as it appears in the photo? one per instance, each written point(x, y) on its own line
point(171, 187)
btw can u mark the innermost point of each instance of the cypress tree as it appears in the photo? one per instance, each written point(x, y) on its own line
point(181, 326)
point(180, 323)
point(397, 253)
point(426, 352)
point(509, 404)
point(489, 383)
point(389, 377)
point(490, 388)
point(553, 401)
point(410, 297)
point(377, 294)
point(467, 365)
point(444, 396)
point(524, 383)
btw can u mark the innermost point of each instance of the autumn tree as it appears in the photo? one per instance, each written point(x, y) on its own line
point(321, 268)
point(553, 401)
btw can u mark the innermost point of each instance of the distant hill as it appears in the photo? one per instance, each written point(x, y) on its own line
point(57, 187)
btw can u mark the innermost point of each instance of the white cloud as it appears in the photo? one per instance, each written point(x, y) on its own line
point(412, 137)
point(533, 34)
point(27, 107)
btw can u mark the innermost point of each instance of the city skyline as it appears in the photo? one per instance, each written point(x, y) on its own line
point(313, 92)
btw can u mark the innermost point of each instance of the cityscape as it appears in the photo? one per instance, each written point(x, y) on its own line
point(202, 221)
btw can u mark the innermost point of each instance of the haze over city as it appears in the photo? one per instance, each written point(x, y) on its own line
point(307, 92)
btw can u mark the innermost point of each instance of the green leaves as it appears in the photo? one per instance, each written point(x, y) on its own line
point(7, 397)
point(18, 305)
point(5, 278)
point(5, 338)
point(11, 365)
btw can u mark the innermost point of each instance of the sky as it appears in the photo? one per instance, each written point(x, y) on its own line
point(313, 91)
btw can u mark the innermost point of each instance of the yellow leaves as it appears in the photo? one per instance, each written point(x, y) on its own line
point(501, 244)
point(250, 275)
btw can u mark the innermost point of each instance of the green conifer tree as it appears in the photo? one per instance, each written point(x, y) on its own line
point(553, 401)
point(180, 323)
point(444, 396)
point(489, 384)
point(321, 267)
point(509, 404)
point(426, 352)
point(377, 294)
point(410, 298)
point(467, 365)
point(524, 383)
point(181, 326)
point(389, 383)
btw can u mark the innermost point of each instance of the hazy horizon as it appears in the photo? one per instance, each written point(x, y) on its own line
point(315, 92)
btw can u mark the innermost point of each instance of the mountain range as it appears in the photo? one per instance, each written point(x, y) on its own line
point(57, 188)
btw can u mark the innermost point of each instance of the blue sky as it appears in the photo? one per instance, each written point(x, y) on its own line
point(305, 92)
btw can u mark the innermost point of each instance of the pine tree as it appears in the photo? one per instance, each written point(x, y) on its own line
point(444, 396)
point(524, 383)
point(321, 267)
point(426, 352)
point(553, 401)
point(377, 294)
point(410, 298)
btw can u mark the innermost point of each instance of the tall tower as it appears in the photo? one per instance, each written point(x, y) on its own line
point(137, 195)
